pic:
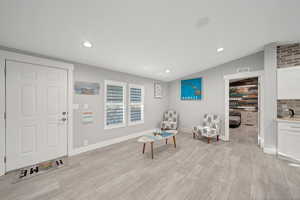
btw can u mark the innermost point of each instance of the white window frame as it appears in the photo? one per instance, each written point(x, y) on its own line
point(122, 84)
point(130, 123)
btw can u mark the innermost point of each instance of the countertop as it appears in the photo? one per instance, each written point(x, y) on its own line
point(289, 119)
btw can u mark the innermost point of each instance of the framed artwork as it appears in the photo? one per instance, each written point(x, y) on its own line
point(158, 90)
point(191, 89)
point(86, 88)
point(87, 117)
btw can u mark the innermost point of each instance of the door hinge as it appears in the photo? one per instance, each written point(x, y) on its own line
point(4, 159)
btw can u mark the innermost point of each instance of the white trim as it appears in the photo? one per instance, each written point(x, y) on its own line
point(109, 142)
point(271, 151)
point(35, 60)
point(226, 118)
point(244, 75)
point(6, 55)
point(140, 104)
point(261, 142)
point(261, 106)
point(2, 120)
point(227, 78)
point(287, 157)
point(70, 110)
point(122, 84)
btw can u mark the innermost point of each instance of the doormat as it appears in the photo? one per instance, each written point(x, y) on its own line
point(38, 169)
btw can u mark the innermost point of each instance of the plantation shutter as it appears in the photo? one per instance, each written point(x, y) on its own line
point(136, 104)
point(115, 104)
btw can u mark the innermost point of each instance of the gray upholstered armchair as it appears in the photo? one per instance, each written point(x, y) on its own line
point(170, 120)
point(209, 128)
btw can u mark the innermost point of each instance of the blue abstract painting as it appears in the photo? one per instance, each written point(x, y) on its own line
point(191, 89)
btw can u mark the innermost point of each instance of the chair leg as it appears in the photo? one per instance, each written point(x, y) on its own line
point(194, 135)
point(174, 140)
point(208, 140)
point(217, 137)
point(166, 141)
point(144, 146)
point(152, 149)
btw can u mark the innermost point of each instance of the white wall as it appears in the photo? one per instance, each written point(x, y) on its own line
point(191, 112)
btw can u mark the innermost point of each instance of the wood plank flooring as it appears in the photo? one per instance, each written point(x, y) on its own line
point(194, 170)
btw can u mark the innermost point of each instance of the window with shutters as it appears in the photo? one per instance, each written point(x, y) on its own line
point(115, 104)
point(136, 104)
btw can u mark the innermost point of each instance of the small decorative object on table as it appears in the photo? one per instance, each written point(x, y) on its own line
point(157, 132)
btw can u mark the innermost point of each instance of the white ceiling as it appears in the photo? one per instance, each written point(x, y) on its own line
point(146, 37)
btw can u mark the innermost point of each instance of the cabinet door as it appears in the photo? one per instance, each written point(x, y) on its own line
point(289, 140)
point(283, 143)
point(288, 83)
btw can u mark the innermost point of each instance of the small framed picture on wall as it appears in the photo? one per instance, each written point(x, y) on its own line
point(158, 90)
point(191, 89)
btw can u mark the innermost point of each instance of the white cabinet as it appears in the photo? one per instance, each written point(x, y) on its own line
point(288, 80)
point(289, 139)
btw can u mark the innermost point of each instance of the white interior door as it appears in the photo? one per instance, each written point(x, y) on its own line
point(36, 108)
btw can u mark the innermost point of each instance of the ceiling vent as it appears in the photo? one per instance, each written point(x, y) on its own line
point(243, 69)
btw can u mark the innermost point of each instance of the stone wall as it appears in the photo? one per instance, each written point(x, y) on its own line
point(283, 105)
point(288, 55)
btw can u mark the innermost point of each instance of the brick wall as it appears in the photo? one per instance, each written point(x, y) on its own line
point(288, 55)
point(285, 104)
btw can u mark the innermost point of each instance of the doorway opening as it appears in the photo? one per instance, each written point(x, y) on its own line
point(244, 107)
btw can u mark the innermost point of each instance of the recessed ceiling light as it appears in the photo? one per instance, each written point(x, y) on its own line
point(87, 44)
point(220, 49)
point(168, 71)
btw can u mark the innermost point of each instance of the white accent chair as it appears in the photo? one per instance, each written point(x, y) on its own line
point(210, 127)
point(170, 121)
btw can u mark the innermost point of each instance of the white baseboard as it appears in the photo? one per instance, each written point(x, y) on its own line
point(261, 142)
point(107, 142)
point(271, 151)
point(287, 157)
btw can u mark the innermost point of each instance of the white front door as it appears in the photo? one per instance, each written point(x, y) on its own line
point(36, 108)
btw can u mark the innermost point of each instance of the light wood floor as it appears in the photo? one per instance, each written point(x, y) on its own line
point(194, 170)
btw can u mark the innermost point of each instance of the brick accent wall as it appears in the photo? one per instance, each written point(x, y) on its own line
point(284, 104)
point(288, 55)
